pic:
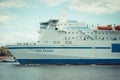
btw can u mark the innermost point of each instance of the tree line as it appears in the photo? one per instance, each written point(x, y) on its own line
point(4, 51)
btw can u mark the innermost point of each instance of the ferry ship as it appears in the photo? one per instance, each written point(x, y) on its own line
point(71, 42)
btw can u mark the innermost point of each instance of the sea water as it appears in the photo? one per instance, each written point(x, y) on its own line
point(14, 71)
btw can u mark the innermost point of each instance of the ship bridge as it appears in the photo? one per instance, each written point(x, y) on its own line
point(51, 22)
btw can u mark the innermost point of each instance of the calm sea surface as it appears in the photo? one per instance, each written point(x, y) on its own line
point(13, 71)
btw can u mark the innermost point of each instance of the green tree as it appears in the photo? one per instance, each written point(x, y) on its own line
point(4, 51)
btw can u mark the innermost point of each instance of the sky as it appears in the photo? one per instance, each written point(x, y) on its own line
point(19, 19)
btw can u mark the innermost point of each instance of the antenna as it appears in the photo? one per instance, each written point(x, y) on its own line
point(64, 15)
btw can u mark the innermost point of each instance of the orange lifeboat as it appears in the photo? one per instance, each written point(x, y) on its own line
point(108, 27)
point(117, 27)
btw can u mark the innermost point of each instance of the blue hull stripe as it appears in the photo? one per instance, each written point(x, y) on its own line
point(59, 47)
point(68, 61)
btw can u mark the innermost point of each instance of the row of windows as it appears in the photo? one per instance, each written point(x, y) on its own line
point(58, 42)
point(84, 38)
point(93, 32)
point(69, 24)
point(98, 38)
point(74, 24)
point(26, 43)
point(55, 42)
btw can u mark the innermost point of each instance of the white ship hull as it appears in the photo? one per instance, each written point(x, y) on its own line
point(35, 54)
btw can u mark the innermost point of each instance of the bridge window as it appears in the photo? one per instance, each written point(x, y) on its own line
point(44, 25)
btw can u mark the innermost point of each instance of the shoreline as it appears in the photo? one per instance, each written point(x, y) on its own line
point(7, 59)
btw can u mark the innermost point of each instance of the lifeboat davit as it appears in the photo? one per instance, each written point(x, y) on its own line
point(108, 27)
point(117, 27)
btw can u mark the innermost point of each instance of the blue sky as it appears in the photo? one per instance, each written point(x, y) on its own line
point(19, 19)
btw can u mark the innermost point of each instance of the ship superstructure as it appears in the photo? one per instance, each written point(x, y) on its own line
point(71, 42)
